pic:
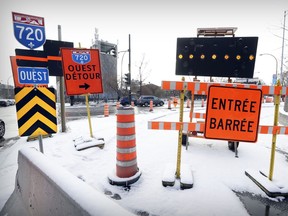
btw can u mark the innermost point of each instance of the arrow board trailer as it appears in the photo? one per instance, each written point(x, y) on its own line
point(82, 71)
point(33, 75)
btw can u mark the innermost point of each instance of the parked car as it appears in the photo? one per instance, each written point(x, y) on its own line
point(125, 100)
point(2, 128)
point(11, 102)
point(3, 103)
point(144, 100)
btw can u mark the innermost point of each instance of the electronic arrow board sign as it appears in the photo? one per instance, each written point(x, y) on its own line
point(29, 30)
point(217, 57)
point(82, 71)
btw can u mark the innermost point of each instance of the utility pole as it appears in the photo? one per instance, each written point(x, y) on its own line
point(62, 97)
point(129, 67)
point(282, 56)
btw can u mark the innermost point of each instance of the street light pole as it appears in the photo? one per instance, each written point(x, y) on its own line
point(121, 77)
point(130, 69)
point(275, 61)
point(282, 55)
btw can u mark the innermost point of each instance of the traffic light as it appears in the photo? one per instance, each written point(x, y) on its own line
point(218, 57)
point(127, 78)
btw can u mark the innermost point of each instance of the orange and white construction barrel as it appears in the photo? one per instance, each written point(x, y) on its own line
point(169, 104)
point(151, 106)
point(202, 102)
point(188, 103)
point(175, 102)
point(127, 171)
point(106, 110)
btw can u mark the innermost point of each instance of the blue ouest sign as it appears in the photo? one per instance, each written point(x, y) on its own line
point(33, 75)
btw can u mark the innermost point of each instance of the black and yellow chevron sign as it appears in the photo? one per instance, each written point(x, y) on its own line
point(36, 111)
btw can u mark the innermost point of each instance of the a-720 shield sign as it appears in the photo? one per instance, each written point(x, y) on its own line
point(82, 71)
point(233, 113)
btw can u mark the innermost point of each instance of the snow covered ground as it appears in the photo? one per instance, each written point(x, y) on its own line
point(216, 170)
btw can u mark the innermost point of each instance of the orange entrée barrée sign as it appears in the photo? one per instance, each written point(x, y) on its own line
point(233, 113)
point(82, 71)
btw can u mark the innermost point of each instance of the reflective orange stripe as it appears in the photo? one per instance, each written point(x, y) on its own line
point(126, 143)
point(126, 156)
point(125, 131)
point(202, 88)
point(125, 118)
point(31, 58)
point(280, 130)
point(166, 85)
point(179, 85)
point(54, 58)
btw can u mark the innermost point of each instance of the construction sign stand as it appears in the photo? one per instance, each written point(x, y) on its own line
point(272, 189)
point(36, 112)
point(183, 173)
point(82, 73)
point(250, 105)
point(32, 138)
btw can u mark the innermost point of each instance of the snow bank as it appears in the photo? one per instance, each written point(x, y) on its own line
point(43, 188)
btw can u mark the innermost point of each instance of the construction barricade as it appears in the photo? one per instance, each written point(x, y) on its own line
point(261, 180)
point(127, 171)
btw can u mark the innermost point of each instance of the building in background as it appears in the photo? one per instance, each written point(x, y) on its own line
point(108, 58)
point(6, 91)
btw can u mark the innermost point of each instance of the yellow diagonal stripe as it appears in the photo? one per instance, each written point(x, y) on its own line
point(21, 94)
point(38, 132)
point(32, 103)
point(48, 93)
point(33, 119)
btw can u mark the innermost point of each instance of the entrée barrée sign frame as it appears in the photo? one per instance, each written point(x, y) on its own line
point(233, 113)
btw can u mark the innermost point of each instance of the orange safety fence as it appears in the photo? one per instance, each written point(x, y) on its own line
point(200, 127)
point(202, 88)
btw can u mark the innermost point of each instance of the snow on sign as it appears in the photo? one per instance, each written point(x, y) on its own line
point(82, 71)
point(29, 30)
point(233, 113)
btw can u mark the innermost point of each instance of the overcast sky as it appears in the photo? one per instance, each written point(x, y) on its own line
point(154, 27)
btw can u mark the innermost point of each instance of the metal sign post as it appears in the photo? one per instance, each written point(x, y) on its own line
point(178, 167)
point(273, 148)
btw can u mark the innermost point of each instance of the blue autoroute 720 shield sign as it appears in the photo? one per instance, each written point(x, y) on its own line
point(81, 57)
point(29, 30)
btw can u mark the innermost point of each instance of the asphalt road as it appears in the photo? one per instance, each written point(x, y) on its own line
point(8, 114)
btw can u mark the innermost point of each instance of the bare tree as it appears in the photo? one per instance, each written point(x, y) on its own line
point(143, 72)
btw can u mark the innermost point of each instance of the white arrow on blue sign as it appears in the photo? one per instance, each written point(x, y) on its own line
point(33, 75)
